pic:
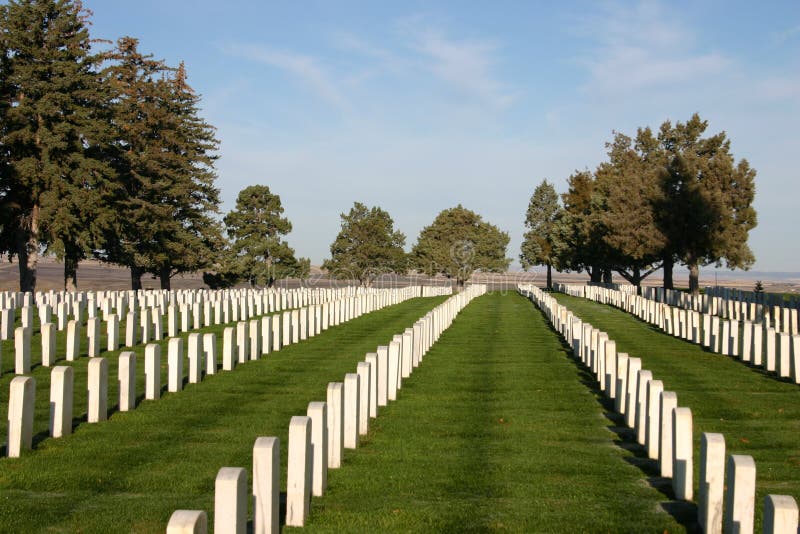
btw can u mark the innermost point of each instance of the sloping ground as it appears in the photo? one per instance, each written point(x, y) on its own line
point(758, 415)
point(130, 473)
point(496, 430)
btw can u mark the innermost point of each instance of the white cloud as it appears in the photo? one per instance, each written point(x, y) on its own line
point(780, 88)
point(641, 47)
point(467, 65)
point(305, 68)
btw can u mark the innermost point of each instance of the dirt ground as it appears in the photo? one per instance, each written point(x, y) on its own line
point(94, 275)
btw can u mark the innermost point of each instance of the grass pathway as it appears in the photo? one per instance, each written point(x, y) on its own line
point(495, 431)
point(130, 473)
point(759, 415)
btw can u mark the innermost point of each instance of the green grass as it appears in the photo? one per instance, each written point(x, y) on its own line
point(758, 414)
point(131, 472)
point(498, 429)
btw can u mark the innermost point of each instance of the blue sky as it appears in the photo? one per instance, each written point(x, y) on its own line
point(418, 106)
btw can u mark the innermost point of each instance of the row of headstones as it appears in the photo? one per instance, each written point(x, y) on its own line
point(317, 440)
point(780, 316)
point(769, 299)
point(751, 342)
point(149, 325)
point(195, 306)
point(664, 429)
point(247, 341)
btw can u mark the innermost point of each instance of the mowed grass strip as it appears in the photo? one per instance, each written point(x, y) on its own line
point(130, 473)
point(758, 414)
point(496, 430)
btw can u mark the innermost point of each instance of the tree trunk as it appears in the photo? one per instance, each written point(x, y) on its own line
point(549, 276)
point(70, 271)
point(668, 266)
point(28, 252)
point(164, 275)
point(608, 276)
point(595, 275)
point(136, 277)
point(694, 278)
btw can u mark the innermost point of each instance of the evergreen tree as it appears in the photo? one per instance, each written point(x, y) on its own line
point(707, 211)
point(164, 154)
point(256, 227)
point(54, 185)
point(458, 243)
point(629, 188)
point(538, 246)
point(580, 233)
point(366, 246)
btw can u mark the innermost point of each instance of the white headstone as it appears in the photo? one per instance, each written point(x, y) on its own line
point(682, 476)
point(61, 398)
point(210, 353)
point(740, 497)
point(712, 480)
point(230, 501)
point(188, 522)
point(127, 381)
point(780, 514)
point(318, 413)
point(298, 476)
point(266, 485)
point(152, 371)
point(97, 390)
point(363, 370)
point(335, 397)
point(21, 399)
point(351, 410)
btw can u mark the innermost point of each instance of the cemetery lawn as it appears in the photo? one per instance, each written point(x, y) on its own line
point(130, 473)
point(498, 429)
point(758, 414)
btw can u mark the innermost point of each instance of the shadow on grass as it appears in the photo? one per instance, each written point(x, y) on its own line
point(683, 512)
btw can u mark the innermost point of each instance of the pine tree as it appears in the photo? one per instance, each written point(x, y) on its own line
point(459, 242)
point(538, 247)
point(54, 185)
point(707, 211)
point(366, 246)
point(163, 154)
point(255, 227)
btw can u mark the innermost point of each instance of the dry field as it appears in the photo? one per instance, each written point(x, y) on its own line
point(94, 275)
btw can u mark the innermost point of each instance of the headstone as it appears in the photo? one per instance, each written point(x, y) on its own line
point(210, 353)
point(112, 333)
point(194, 352)
point(682, 453)
point(175, 364)
point(93, 333)
point(61, 397)
point(230, 501)
point(266, 485)
point(228, 348)
point(780, 514)
point(298, 476)
point(318, 413)
point(21, 400)
point(335, 397)
point(653, 421)
point(740, 497)
point(22, 350)
point(255, 339)
point(363, 370)
point(634, 366)
point(188, 522)
point(48, 344)
point(622, 383)
point(393, 371)
point(383, 375)
point(127, 381)
point(372, 360)
point(152, 371)
point(351, 410)
point(645, 376)
point(242, 342)
point(131, 330)
point(712, 479)
point(97, 391)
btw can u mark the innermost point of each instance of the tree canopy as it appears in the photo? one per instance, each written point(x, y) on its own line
point(255, 228)
point(538, 247)
point(367, 246)
point(459, 242)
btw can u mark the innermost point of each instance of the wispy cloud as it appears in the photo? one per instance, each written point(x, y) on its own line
point(467, 65)
point(306, 69)
point(787, 34)
point(643, 46)
point(780, 88)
